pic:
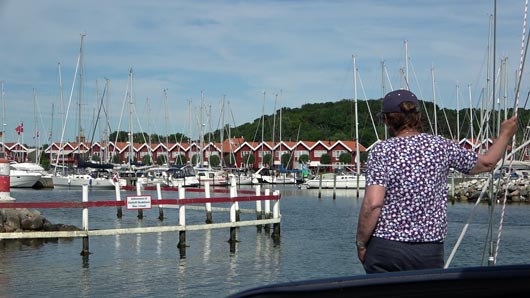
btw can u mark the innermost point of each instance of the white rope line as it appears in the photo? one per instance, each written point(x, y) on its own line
point(516, 106)
point(486, 184)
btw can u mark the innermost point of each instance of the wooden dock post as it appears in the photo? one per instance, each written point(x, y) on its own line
point(119, 211)
point(159, 197)
point(233, 218)
point(233, 194)
point(259, 212)
point(319, 185)
point(334, 185)
point(267, 204)
point(208, 206)
point(85, 251)
point(182, 217)
point(276, 214)
point(139, 193)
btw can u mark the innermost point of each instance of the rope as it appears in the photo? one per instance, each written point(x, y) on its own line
point(524, 48)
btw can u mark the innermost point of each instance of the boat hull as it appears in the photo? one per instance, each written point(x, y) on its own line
point(340, 182)
point(80, 180)
point(23, 179)
point(492, 281)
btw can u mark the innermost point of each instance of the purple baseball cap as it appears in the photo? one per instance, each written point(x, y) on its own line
point(393, 99)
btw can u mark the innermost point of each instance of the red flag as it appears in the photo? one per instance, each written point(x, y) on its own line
point(20, 128)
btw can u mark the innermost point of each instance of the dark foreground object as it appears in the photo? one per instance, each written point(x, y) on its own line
point(493, 281)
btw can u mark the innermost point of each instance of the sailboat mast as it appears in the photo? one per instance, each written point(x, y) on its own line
point(262, 128)
point(149, 129)
point(80, 96)
point(357, 151)
point(51, 131)
point(36, 128)
point(274, 128)
point(166, 116)
point(434, 102)
point(130, 118)
point(3, 118)
point(457, 112)
point(407, 65)
point(471, 115)
point(201, 130)
point(221, 133)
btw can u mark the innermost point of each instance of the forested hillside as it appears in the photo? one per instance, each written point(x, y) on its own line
point(336, 121)
point(331, 121)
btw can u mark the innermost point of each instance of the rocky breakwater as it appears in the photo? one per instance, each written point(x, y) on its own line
point(516, 190)
point(25, 220)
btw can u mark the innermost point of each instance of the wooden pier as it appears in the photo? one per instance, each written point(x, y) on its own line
point(139, 202)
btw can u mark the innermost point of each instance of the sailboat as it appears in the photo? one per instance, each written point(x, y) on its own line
point(95, 178)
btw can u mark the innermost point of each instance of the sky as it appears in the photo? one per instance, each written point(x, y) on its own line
point(198, 64)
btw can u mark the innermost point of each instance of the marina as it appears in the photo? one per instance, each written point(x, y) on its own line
point(317, 241)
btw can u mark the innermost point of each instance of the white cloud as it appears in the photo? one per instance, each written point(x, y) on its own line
point(239, 49)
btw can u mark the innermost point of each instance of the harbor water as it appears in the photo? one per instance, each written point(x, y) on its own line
point(317, 241)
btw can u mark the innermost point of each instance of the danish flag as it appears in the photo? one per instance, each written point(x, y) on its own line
point(20, 128)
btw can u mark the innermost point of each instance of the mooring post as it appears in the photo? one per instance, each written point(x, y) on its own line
point(319, 185)
point(233, 218)
point(276, 215)
point(159, 196)
point(267, 204)
point(233, 194)
point(139, 193)
point(334, 185)
point(85, 251)
point(258, 207)
point(182, 217)
point(119, 212)
point(208, 205)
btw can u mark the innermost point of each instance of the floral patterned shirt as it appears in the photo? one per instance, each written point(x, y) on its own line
point(414, 171)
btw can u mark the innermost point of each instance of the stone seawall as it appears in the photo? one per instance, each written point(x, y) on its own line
point(22, 219)
point(516, 190)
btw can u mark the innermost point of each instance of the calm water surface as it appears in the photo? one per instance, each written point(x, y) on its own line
point(316, 242)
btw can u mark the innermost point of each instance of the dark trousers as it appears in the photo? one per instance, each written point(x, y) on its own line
point(386, 255)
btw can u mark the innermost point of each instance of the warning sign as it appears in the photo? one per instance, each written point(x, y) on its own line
point(138, 202)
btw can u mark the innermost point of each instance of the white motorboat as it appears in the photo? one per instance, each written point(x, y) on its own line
point(153, 176)
point(182, 175)
point(338, 181)
point(211, 176)
point(22, 178)
point(272, 176)
point(94, 179)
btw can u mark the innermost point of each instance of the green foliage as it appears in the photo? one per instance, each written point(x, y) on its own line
point(45, 162)
point(325, 159)
point(123, 136)
point(195, 159)
point(345, 158)
point(116, 159)
point(286, 160)
point(248, 160)
point(332, 121)
point(146, 160)
point(230, 159)
point(267, 159)
point(180, 159)
point(304, 158)
point(95, 157)
point(161, 160)
point(214, 160)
